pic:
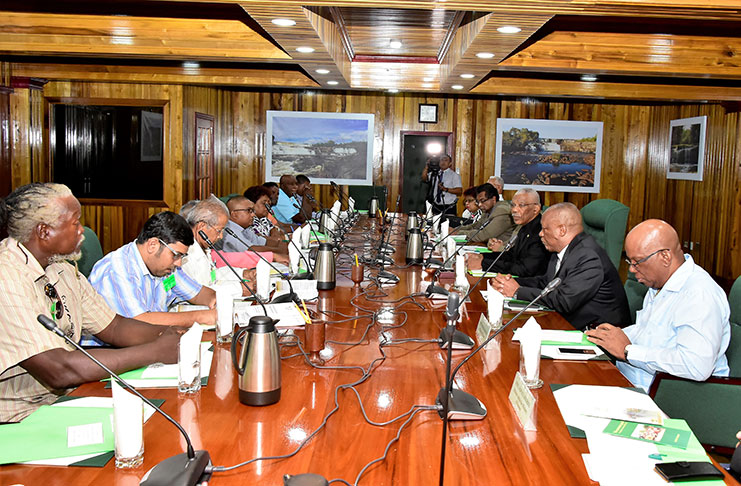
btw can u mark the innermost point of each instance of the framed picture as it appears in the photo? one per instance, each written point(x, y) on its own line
point(549, 155)
point(687, 148)
point(151, 136)
point(326, 147)
point(427, 113)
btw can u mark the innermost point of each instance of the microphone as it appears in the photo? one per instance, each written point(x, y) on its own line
point(290, 296)
point(432, 288)
point(464, 406)
point(234, 235)
point(188, 468)
point(509, 244)
point(241, 280)
point(450, 337)
point(382, 273)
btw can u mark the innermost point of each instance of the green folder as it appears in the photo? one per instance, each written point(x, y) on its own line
point(656, 434)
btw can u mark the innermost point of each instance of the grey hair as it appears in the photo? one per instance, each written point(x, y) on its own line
point(30, 205)
point(567, 213)
point(531, 192)
point(208, 211)
point(496, 180)
point(188, 207)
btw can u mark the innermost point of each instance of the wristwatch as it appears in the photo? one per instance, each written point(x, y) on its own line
point(626, 351)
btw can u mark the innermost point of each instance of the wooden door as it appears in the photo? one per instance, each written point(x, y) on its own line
point(204, 176)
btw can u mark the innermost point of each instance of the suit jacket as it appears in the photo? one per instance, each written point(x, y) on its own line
point(527, 257)
point(501, 225)
point(590, 292)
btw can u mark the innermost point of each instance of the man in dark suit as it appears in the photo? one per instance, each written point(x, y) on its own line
point(590, 290)
point(527, 257)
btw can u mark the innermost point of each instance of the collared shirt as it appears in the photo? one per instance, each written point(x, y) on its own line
point(285, 210)
point(472, 216)
point(683, 329)
point(126, 284)
point(22, 298)
point(247, 235)
point(560, 255)
point(451, 180)
point(262, 226)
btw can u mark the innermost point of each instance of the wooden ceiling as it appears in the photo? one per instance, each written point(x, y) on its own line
point(654, 50)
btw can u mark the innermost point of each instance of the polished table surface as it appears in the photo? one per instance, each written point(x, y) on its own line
point(495, 450)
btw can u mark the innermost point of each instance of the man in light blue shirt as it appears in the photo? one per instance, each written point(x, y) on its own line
point(683, 328)
point(285, 209)
point(143, 278)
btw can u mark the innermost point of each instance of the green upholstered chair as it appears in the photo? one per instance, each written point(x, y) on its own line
point(91, 252)
point(711, 407)
point(635, 291)
point(224, 199)
point(606, 220)
point(362, 195)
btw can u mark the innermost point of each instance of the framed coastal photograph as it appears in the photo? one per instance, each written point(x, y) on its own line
point(549, 155)
point(687, 148)
point(326, 147)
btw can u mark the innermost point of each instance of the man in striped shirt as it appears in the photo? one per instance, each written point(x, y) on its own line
point(142, 279)
point(36, 366)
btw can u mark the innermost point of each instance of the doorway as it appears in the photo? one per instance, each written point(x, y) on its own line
point(417, 147)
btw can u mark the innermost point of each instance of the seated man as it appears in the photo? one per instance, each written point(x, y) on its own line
point(241, 217)
point(285, 210)
point(496, 214)
point(527, 257)
point(590, 290)
point(305, 197)
point(36, 366)
point(498, 184)
point(142, 279)
point(683, 328)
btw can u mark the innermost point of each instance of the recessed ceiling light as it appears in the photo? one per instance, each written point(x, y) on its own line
point(395, 44)
point(332, 82)
point(393, 90)
point(322, 71)
point(485, 55)
point(428, 80)
point(284, 22)
point(509, 29)
point(589, 77)
point(427, 85)
point(457, 86)
point(191, 65)
point(305, 50)
point(467, 76)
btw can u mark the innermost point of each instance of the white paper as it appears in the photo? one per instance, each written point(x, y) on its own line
point(445, 228)
point(460, 272)
point(530, 342)
point(287, 312)
point(84, 435)
point(263, 279)
point(166, 375)
point(128, 421)
point(555, 336)
point(294, 256)
point(494, 305)
point(226, 292)
point(190, 353)
point(305, 289)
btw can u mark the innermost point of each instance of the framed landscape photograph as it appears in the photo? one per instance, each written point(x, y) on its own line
point(687, 148)
point(549, 155)
point(326, 147)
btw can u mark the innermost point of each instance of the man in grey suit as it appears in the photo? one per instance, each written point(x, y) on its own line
point(497, 215)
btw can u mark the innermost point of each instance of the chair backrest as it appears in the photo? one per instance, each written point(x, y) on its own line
point(606, 221)
point(91, 252)
point(224, 199)
point(362, 195)
point(635, 291)
point(733, 353)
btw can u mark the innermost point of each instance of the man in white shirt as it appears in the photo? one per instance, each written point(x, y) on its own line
point(445, 186)
point(683, 328)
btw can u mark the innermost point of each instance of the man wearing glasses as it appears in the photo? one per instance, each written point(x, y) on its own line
point(241, 222)
point(683, 328)
point(143, 279)
point(527, 257)
point(36, 366)
point(590, 290)
point(497, 217)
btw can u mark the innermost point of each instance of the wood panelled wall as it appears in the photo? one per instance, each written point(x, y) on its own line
point(634, 156)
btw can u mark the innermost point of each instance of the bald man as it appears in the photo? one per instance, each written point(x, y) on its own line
point(683, 328)
point(590, 289)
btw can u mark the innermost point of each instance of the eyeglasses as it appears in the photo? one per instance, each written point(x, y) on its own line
point(482, 201)
point(176, 255)
point(56, 308)
point(248, 210)
point(522, 206)
point(218, 230)
point(636, 263)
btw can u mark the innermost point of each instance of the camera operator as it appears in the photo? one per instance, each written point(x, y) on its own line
point(445, 184)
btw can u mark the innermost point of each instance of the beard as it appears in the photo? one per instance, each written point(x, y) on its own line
point(69, 257)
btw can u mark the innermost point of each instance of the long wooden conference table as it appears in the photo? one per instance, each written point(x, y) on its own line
point(495, 450)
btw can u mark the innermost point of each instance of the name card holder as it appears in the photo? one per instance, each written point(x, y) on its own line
point(523, 402)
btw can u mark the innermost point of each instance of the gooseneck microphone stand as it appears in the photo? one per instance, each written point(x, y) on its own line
point(186, 469)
